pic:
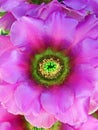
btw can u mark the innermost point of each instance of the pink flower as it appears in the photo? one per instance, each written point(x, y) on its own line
point(49, 70)
point(9, 121)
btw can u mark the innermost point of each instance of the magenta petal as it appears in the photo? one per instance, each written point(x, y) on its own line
point(93, 106)
point(94, 99)
point(6, 21)
point(90, 45)
point(7, 98)
point(28, 33)
point(11, 106)
point(86, 28)
point(9, 121)
point(13, 65)
point(76, 4)
point(5, 126)
point(5, 44)
point(8, 5)
point(25, 9)
point(10, 70)
point(5, 92)
point(66, 127)
point(91, 124)
point(25, 96)
point(82, 51)
point(57, 100)
point(82, 88)
point(58, 32)
point(94, 6)
point(43, 120)
point(73, 114)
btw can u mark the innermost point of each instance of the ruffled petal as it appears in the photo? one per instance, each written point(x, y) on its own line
point(86, 28)
point(27, 98)
point(25, 9)
point(57, 100)
point(7, 98)
point(82, 52)
point(43, 120)
point(94, 6)
point(84, 86)
point(76, 114)
point(60, 35)
point(8, 5)
point(91, 124)
point(6, 21)
point(94, 99)
point(28, 33)
point(76, 4)
point(13, 67)
point(5, 44)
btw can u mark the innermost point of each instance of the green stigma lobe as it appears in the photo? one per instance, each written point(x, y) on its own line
point(50, 66)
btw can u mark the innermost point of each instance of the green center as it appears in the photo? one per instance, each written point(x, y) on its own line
point(50, 68)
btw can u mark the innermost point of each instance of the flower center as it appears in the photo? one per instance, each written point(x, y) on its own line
point(50, 68)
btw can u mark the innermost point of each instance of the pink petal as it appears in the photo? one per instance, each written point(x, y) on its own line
point(57, 100)
point(6, 21)
point(5, 126)
point(91, 124)
point(84, 87)
point(86, 28)
point(44, 120)
point(13, 63)
point(11, 66)
point(25, 97)
point(73, 114)
point(8, 5)
point(30, 35)
point(58, 33)
point(76, 4)
point(7, 98)
point(94, 99)
point(5, 44)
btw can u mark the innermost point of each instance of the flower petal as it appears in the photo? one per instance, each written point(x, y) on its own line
point(25, 97)
point(76, 4)
point(43, 120)
point(28, 33)
point(59, 33)
point(86, 28)
point(57, 100)
point(73, 114)
point(7, 98)
point(11, 66)
point(6, 21)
